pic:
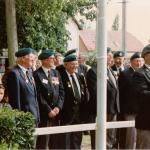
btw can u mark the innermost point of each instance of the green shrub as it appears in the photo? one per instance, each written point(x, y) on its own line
point(16, 129)
point(91, 59)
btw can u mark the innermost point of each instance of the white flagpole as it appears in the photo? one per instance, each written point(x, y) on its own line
point(101, 47)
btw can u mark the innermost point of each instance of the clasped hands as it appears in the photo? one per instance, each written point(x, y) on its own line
point(54, 112)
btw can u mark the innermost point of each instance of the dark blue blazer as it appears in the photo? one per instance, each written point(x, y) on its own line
point(141, 80)
point(22, 95)
point(128, 101)
point(91, 78)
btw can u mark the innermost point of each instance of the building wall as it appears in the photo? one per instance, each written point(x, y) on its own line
point(82, 47)
point(74, 34)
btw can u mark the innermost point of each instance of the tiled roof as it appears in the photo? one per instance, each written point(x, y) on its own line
point(114, 40)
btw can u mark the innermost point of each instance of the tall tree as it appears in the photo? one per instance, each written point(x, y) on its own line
point(115, 26)
point(11, 30)
point(3, 37)
point(41, 23)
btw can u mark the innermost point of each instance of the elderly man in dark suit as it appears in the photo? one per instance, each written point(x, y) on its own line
point(128, 101)
point(50, 97)
point(113, 106)
point(142, 88)
point(75, 102)
point(20, 84)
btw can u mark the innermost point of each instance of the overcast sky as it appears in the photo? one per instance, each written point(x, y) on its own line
point(138, 17)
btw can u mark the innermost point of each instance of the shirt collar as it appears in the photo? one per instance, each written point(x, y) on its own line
point(23, 68)
point(122, 67)
point(45, 70)
point(70, 74)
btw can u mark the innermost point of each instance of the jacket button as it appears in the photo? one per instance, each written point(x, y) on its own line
point(75, 102)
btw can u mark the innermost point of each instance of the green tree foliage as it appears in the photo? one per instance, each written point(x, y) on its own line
point(83, 7)
point(41, 23)
point(92, 59)
point(115, 26)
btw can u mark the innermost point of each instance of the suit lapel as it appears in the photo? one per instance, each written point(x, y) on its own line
point(42, 75)
point(147, 71)
point(109, 79)
point(111, 83)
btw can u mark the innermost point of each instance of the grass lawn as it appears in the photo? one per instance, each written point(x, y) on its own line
point(86, 143)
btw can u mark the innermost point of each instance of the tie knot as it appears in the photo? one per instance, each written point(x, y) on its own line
point(49, 75)
point(27, 72)
point(72, 75)
point(49, 71)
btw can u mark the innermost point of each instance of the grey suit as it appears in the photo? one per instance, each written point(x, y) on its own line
point(113, 108)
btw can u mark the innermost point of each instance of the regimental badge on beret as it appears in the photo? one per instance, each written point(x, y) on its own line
point(24, 51)
point(46, 53)
point(119, 54)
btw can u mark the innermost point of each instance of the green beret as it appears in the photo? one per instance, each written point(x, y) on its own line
point(24, 51)
point(72, 51)
point(135, 55)
point(119, 54)
point(70, 58)
point(46, 53)
point(146, 50)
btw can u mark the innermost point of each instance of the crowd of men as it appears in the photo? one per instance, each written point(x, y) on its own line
point(64, 92)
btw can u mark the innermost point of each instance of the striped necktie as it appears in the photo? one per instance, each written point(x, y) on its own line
point(29, 78)
point(75, 88)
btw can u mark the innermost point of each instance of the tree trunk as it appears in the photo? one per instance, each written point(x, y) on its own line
point(11, 29)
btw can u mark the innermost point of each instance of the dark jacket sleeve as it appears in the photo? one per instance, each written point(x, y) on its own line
point(141, 87)
point(61, 93)
point(92, 87)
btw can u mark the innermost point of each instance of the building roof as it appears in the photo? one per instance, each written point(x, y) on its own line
point(114, 40)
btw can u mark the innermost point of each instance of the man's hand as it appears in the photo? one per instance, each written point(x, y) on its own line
point(52, 114)
point(56, 110)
